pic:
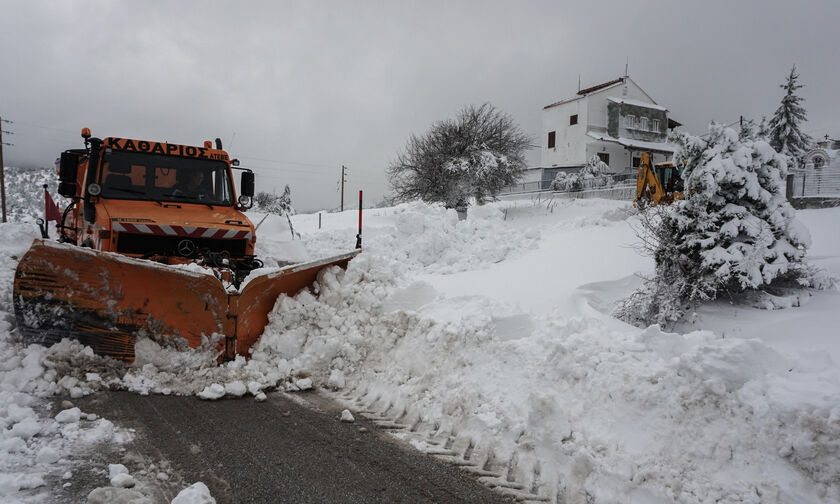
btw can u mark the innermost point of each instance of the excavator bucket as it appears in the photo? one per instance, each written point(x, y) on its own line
point(107, 300)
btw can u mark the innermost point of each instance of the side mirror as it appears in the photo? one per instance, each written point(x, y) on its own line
point(246, 185)
point(68, 167)
point(67, 189)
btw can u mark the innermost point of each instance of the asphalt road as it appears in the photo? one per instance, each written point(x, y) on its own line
point(278, 451)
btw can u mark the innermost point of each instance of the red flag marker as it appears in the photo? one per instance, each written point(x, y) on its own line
point(51, 211)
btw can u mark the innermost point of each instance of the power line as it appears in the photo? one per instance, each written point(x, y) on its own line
point(74, 133)
point(316, 165)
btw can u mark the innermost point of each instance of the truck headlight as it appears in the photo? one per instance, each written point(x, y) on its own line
point(94, 189)
point(244, 200)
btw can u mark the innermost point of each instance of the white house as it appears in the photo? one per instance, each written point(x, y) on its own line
point(615, 120)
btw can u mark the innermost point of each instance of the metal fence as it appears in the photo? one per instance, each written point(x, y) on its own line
point(622, 180)
point(816, 183)
point(620, 192)
point(525, 187)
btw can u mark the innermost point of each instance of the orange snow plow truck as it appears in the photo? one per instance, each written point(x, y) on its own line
point(154, 243)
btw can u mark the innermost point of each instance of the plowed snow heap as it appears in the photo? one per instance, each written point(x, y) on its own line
point(138, 208)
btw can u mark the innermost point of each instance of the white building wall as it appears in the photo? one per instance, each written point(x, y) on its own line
point(597, 108)
point(570, 141)
point(634, 92)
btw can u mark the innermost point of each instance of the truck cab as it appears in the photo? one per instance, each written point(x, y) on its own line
point(167, 202)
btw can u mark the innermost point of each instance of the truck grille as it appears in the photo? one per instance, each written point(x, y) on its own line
point(149, 244)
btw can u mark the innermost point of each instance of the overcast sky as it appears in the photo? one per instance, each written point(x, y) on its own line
point(296, 89)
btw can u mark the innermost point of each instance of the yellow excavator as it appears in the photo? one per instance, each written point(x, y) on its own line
point(659, 184)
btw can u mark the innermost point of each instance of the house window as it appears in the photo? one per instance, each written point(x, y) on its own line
point(551, 139)
point(573, 120)
point(643, 123)
point(605, 157)
point(655, 125)
point(628, 121)
point(636, 161)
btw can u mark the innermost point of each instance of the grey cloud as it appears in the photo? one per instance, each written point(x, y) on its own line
point(331, 83)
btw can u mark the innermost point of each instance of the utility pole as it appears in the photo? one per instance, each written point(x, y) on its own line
point(343, 180)
point(2, 168)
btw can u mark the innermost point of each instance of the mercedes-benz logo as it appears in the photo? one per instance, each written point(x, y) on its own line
point(186, 248)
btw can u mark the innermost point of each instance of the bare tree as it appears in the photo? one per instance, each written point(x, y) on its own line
point(473, 156)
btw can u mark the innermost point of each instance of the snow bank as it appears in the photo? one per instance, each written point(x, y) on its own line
point(686, 417)
point(590, 405)
point(33, 442)
point(431, 238)
point(577, 405)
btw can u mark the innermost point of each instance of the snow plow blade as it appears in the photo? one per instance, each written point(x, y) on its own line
point(106, 300)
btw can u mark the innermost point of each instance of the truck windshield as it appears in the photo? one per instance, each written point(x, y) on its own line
point(152, 177)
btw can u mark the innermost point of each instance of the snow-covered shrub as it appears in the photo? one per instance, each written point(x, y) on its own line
point(592, 176)
point(735, 231)
point(279, 204)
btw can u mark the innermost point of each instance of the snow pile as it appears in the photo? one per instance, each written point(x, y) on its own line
point(689, 417)
point(432, 239)
point(277, 244)
point(124, 489)
point(32, 441)
point(347, 417)
point(197, 493)
point(32, 445)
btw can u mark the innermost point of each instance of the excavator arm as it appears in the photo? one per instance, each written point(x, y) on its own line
point(649, 189)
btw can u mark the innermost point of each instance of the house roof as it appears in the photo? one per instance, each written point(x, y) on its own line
point(584, 92)
point(589, 90)
point(637, 103)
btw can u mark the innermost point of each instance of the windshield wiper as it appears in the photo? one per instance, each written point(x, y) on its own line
point(128, 190)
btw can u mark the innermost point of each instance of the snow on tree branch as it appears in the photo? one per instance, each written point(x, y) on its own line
point(785, 134)
point(474, 155)
point(734, 232)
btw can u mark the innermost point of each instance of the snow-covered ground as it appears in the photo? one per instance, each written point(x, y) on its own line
point(497, 329)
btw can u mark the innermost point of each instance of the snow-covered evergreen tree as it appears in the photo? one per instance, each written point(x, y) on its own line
point(473, 156)
point(785, 135)
point(734, 232)
point(594, 174)
point(748, 130)
point(763, 130)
